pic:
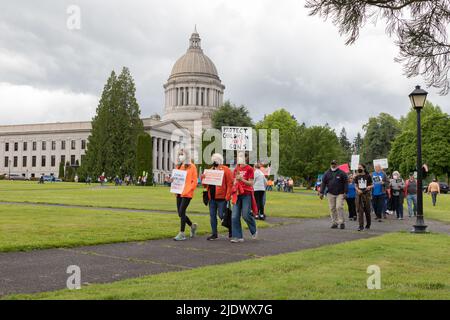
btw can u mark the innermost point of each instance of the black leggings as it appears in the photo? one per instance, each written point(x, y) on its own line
point(182, 204)
point(259, 197)
point(351, 203)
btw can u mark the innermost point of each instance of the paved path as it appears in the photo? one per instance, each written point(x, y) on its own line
point(45, 270)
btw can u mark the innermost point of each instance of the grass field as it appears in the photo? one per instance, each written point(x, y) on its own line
point(301, 204)
point(25, 227)
point(410, 269)
point(279, 204)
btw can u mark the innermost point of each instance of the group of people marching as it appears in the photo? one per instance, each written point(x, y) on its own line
point(244, 187)
point(365, 192)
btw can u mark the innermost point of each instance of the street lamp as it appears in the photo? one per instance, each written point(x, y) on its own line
point(418, 98)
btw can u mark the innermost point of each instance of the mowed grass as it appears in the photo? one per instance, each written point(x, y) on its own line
point(302, 204)
point(26, 227)
point(412, 267)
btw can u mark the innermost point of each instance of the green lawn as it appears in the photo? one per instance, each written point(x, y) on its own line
point(279, 204)
point(412, 267)
point(25, 227)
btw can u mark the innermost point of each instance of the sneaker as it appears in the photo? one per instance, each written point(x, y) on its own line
point(194, 229)
point(379, 220)
point(342, 226)
point(237, 240)
point(212, 237)
point(367, 227)
point(334, 226)
point(262, 217)
point(255, 236)
point(360, 229)
point(180, 237)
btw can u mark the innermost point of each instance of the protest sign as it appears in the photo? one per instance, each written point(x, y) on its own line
point(355, 162)
point(213, 177)
point(179, 180)
point(382, 162)
point(237, 138)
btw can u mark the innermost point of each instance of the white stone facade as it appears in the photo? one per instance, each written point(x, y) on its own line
point(36, 149)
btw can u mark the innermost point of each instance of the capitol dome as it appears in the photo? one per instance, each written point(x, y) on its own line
point(194, 89)
point(194, 61)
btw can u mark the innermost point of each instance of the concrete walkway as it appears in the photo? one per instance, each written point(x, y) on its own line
point(45, 270)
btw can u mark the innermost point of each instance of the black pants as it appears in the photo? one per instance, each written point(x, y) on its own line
point(364, 209)
point(378, 205)
point(397, 205)
point(182, 204)
point(259, 197)
point(351, 204)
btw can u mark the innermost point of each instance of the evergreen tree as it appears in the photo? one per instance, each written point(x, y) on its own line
point(144, 157)
point(380, 132)
point(357, 144)
point(345, 143)
point(115, 128)
point(61, 170)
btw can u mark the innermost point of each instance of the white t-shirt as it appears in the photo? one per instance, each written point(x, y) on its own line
point(260, 181)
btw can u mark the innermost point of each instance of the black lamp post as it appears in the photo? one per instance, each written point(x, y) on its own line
point(418, 98)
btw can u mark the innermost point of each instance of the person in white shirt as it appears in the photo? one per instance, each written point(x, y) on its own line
point(259, 186)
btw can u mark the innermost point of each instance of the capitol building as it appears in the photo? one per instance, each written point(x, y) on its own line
point(193, 92)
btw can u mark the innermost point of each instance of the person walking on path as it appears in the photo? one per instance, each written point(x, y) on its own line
point(184, 199)
point(363, 183)
point(259, 187)
point(397, 186)
point(434, 189)
point(411, 195)
point(351, 199)
point(380, 185)
point(218, 195)
point(335, 182)
point(243, 176)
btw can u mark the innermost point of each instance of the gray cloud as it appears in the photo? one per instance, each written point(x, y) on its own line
point(269, 54)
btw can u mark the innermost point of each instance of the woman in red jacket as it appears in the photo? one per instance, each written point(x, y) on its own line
point(183, 199)
point(243, 185)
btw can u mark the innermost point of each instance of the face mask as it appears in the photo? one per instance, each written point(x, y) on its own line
point(395, 177)
point(182, 158)
point(215, 164)
point(360, 170)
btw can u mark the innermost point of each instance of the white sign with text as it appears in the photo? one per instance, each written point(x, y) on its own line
point(178, 181)
point(213, 177)
point(237, 138)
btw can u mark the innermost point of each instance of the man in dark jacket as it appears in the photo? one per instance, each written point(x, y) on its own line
point(335, 182)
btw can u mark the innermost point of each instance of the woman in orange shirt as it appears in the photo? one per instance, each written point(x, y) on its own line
point(183, 199)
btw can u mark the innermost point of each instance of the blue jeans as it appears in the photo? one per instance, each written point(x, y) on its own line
point(412, 200)
point(216, 207)
point(242, 208)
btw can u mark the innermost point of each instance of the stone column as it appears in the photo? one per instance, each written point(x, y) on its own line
point(166, 155)
point(155, 140)
point(160, 154)
point(170, 155)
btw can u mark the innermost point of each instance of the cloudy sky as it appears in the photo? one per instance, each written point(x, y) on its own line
point(269, 54)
